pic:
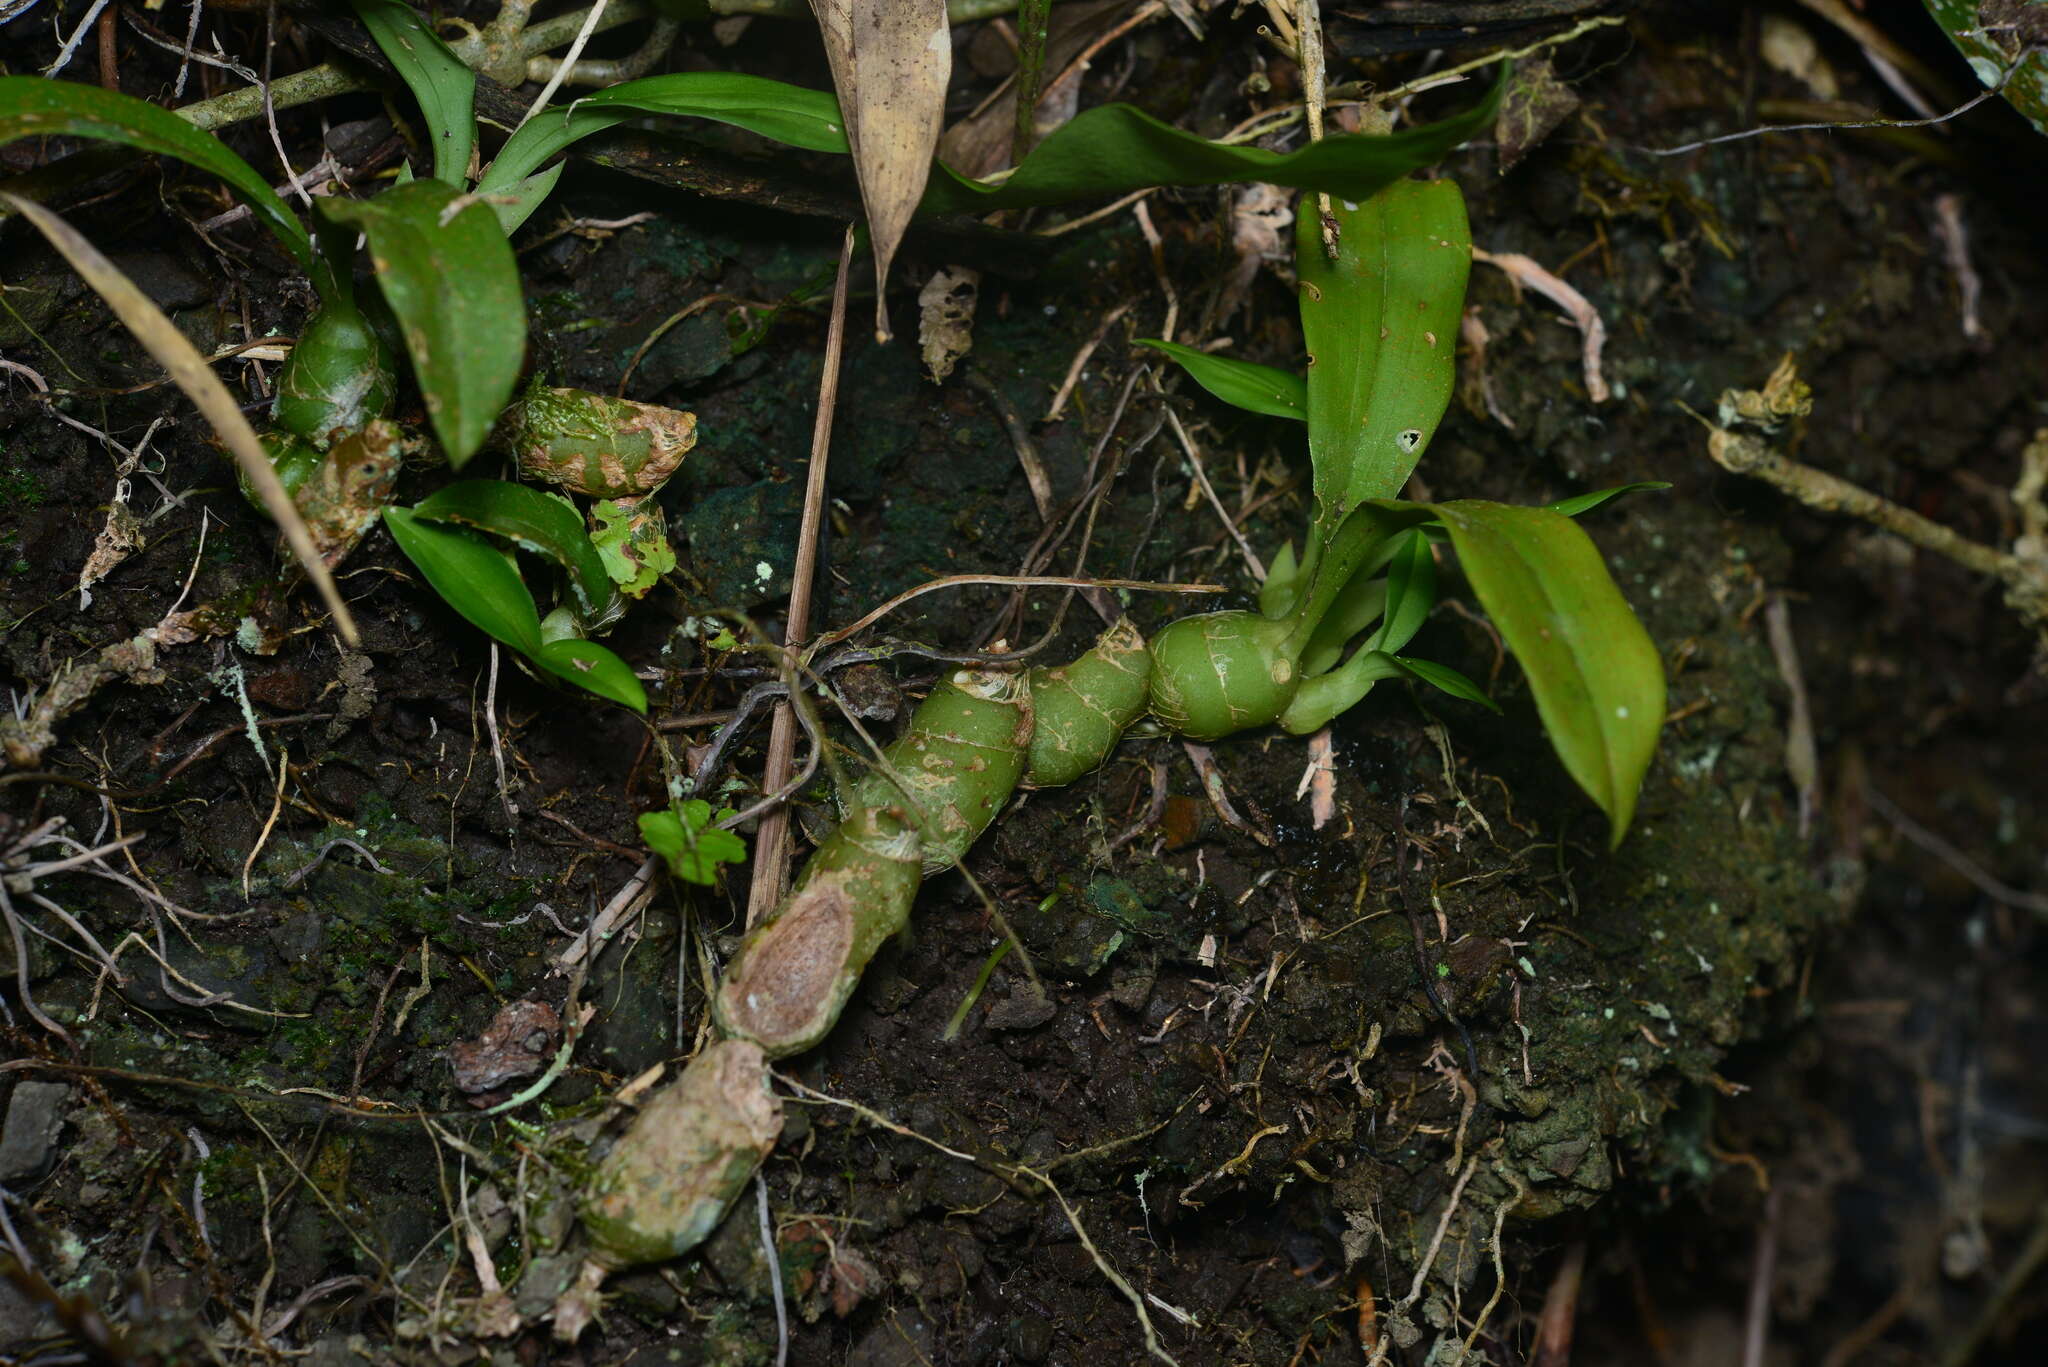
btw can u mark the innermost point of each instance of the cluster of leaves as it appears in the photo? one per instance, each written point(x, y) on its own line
point(444, 268)
point(446, 272)
point(1378, 319)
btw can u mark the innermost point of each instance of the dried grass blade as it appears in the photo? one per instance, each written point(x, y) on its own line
point(891, 60)
point(190, 372)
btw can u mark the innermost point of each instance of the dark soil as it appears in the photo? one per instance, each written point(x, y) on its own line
point(1773, 1045)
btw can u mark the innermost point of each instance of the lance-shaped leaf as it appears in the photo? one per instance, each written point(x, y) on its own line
point(1445, 680)
point(1242, 384)
point(448, 273)
point(444, 87)
point(1105, 151)
point(542, 523)
point(789, 114)
point(1579, 504)
point(595, 669)
point(890, 63)
point(1381, 324)
point(480, 582)
point(1411, 592)
point(1595, 674)
point(514, 206)
point(1115, 149)
point(32, 107)
point(472, 576)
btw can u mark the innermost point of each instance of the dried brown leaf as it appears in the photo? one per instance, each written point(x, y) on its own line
point(945, 318)
point(890, 63)
point(120, 538)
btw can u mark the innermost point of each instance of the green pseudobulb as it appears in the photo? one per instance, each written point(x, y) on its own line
point(795, 971)
point(1222, 672)
point(1082, 708)
point(667, 1181)
point(596, 445)
point(338, 378)
point(958, 762)
point(292, 456)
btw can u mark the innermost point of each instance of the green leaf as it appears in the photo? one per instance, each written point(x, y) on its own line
point(685, 837)
point(1586, 503)
point(32, 107)
point(534, 521)
point(1993, 49)
point(448, 273)
point(632, 540)
point(472, 576)
point(591, 666)
point(1255, 388)
point(1115, 149)
point(1282, 586)
point(1596, 675)
point(1106, 151)
point(1326, 696)
point(514, 206)
point(1381, 324)
point(1445, 679)
point(444, 87)
point(1411, 592)
point(1363, 602)
point(787, 113)
point(1363, 542)
point(480, 582)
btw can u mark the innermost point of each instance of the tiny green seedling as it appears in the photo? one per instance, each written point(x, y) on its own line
point(686, 835)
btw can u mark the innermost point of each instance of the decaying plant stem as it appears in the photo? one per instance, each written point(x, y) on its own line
point(2023, 571)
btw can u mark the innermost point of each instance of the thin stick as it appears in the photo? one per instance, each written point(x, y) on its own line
point(1013, 1173)
point(1194, 455)
point(270, 109)
point(1020, 438)
point(771, 845)
point(2026, 582)
point(1095, 216)
point(497, 744)
point(568, 63)
point(1941, 849)
point(1560, 1310)
point(70, 48)
point(21, 974)
point(1024, 581)
point(186, 56)
point(774, 1271)
point(633, 896)
point(1034, 19)
point(1308, 19)
point(284, 768)
point(1073, 377)
point(1759, 131)
point(2030, 1259)
point(1500, 1271)
point(1756, 1325)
